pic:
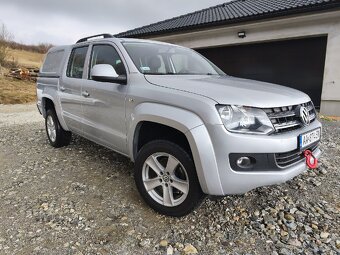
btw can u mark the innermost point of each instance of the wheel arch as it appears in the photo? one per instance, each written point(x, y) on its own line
point(48, 101)
point(157, 114)
point(188, 125)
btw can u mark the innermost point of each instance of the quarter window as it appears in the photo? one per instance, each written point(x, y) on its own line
point(53, 62)
point(76, 64)
point(106, 54)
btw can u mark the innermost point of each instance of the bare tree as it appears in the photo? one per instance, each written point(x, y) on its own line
point(5, 38)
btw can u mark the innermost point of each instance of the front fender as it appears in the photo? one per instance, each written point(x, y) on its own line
point(195, 131)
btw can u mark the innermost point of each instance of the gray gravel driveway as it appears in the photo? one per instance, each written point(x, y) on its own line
point(82, 199)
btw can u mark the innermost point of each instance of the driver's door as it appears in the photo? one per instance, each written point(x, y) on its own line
point(104, 102)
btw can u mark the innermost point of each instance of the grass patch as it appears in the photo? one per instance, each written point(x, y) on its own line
point(329, 118)
point(13, 91)
point(326, 118)
point(25, 58)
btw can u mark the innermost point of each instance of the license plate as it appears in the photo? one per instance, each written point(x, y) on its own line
point(309, 138)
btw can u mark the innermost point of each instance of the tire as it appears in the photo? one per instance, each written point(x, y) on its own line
point(56, 135)
point(166, 178)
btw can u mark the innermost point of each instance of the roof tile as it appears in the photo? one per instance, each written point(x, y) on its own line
point(231, 12)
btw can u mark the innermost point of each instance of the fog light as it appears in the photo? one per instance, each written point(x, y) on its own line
point(244, 162)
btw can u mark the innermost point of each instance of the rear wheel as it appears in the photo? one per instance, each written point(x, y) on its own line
point(56, 135)
point(166, 178)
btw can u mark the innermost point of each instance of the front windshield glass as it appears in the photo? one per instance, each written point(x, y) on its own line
point(161, 59)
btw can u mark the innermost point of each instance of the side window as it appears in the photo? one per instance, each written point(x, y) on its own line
point(106, 54)
point(76, 63)
point(53, 61)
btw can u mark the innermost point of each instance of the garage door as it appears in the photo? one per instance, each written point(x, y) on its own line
point(295, 63)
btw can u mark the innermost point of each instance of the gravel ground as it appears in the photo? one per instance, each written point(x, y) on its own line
point(81, 199)
point(18, 114)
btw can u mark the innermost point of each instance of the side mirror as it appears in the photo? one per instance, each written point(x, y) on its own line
point(106, 73)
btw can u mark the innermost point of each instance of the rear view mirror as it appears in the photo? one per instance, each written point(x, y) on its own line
point(106, 73)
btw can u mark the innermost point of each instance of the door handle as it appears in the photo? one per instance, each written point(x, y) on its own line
point(62, 89)
point(85, 94)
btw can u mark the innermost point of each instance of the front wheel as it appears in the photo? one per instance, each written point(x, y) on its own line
point(166, 178)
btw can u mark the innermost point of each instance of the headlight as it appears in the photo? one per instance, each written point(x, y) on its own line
point(241, 119)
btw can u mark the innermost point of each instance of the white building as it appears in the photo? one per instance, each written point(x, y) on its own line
point(293, 43)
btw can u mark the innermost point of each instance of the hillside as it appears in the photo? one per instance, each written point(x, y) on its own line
point(26, 58)
point(14, 91)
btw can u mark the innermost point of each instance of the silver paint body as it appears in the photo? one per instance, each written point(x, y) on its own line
point(110, 115)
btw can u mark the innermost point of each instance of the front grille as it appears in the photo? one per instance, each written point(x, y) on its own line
point(292, 157)
point(285, 118)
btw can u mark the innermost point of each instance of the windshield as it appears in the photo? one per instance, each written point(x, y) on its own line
point(160, 59)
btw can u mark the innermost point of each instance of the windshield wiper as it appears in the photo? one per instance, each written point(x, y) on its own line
point(196, 74)
point(169, 73)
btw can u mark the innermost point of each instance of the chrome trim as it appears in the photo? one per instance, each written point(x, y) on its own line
point(287, 125)
point(281, 115)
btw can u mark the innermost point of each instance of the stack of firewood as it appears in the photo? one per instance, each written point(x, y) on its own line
point(29, 74)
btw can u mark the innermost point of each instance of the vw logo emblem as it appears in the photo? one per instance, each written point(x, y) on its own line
point(166, 178)
point(304, 115)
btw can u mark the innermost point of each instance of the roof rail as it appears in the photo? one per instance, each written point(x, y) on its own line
point(89, 37)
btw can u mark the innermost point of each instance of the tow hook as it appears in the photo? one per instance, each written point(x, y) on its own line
point(311, 160)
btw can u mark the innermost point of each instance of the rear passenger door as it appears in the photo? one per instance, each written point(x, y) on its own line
point(104, 105)
point(70, 89)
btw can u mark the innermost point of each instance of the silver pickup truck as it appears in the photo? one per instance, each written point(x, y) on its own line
point(190, 128)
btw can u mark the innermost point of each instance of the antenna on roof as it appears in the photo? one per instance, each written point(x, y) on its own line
point(93, 36)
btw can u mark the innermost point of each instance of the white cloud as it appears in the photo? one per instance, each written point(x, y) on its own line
point(65, 21)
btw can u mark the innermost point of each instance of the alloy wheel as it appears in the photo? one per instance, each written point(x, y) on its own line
point(165, 179)
point(51, 128)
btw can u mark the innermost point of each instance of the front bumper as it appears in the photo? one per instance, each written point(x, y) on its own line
point(225, 143)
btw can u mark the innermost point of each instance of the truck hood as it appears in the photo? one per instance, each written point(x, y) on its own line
point(232, 90)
